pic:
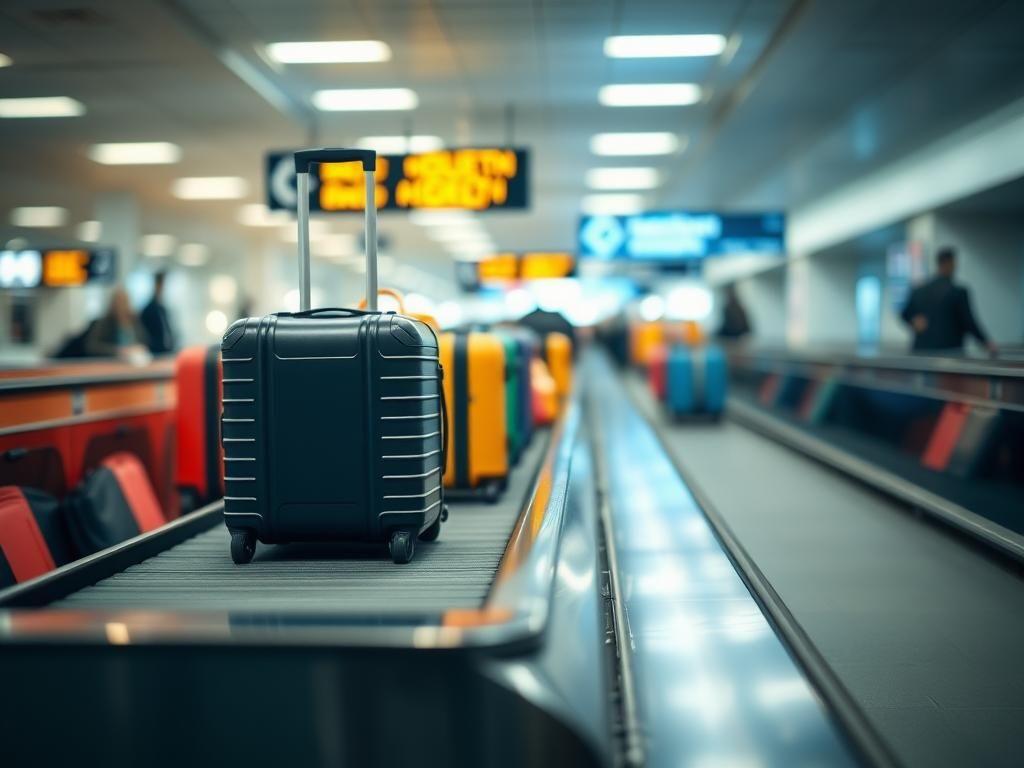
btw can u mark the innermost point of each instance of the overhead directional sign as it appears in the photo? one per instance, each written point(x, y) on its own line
point(478, 179)
point(672, 237)
point(56, 267)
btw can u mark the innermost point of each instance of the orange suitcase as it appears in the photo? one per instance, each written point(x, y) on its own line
point(545, 393)
point(474, 388)
point(644, 338)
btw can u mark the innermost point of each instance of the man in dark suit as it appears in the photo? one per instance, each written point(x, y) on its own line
point(155, 320)
point(939, 312)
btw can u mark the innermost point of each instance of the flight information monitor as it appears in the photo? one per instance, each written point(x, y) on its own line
point(472, 179)
point(672, 237)
point(56, 267)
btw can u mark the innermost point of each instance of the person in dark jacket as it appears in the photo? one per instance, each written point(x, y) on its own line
point(735, 322)
point(156, 321)
point(939, 312)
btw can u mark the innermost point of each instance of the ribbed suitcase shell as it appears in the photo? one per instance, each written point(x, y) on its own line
point(331, 426)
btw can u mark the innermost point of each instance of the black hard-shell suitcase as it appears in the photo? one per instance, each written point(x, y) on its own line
point(333, 418)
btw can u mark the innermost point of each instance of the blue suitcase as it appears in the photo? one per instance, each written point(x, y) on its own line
point(697, 381)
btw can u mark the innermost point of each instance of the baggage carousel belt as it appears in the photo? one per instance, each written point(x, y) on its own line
point(456, 571)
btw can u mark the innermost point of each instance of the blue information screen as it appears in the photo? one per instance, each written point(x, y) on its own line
point(673, 237)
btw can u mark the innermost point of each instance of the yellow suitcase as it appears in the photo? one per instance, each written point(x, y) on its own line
point(558, 356)
point(474, 388)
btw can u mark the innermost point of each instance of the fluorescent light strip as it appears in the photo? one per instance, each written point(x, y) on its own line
point(634, 144)
point(623, 178)
point(471, 249)
point(318, 230)
point(89, 231)
point(365, 99)
point(442, 217)
point(136, 153)
point(457, 234)
point(210, 188)
point(193, 254)
point(258, 215)
point(39, 216)
point(650, 95)
point(157, 245)
point(612, 204)
point(399, 145)
point(341, 246)
point(663, 46)
point(5, 60)
point(330, 52)
point(44, 106)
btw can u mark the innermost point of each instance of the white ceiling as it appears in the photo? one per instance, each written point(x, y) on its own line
point(817, 93)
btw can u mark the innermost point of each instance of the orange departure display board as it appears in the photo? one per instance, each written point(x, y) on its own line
point(472, 179)
point(512, 267)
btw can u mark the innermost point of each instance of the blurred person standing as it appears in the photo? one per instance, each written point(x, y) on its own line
point(939, 312)
point(735, 321)
point(156, 321)
point(118, 332)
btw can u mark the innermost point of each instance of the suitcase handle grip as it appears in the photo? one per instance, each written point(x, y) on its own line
point(304, 158)
point(324, 310)
point(307, 157)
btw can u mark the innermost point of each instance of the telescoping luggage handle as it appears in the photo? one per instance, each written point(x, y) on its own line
point(307, 157)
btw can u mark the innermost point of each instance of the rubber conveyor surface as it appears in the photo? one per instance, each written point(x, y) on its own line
point(456, 571)
point(923, 630)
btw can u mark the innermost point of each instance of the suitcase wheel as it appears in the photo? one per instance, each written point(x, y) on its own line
point(402, 546)
point(432, 532)
point(243, 546)
point(444, 513)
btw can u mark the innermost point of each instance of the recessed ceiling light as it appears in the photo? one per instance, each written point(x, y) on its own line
point(318, 230)
point(44, 106)
point(89, 231)
point(400, 145)
point(634, 143)
point(157, 245)
point(663, 46)
point(330, 52)
point(338, 247)
point(365, 99)
point(258, 215)
point(612, 204)
point(223, 289)
point(193, 254)
point(39, 216)
point(136, 153)
point(649, 95)
point(5, 60)
point(210, 188)
point(622, 178)
point(456, 233)
point(442, 217)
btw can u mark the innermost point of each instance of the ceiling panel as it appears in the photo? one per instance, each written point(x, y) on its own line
point(849, 86)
